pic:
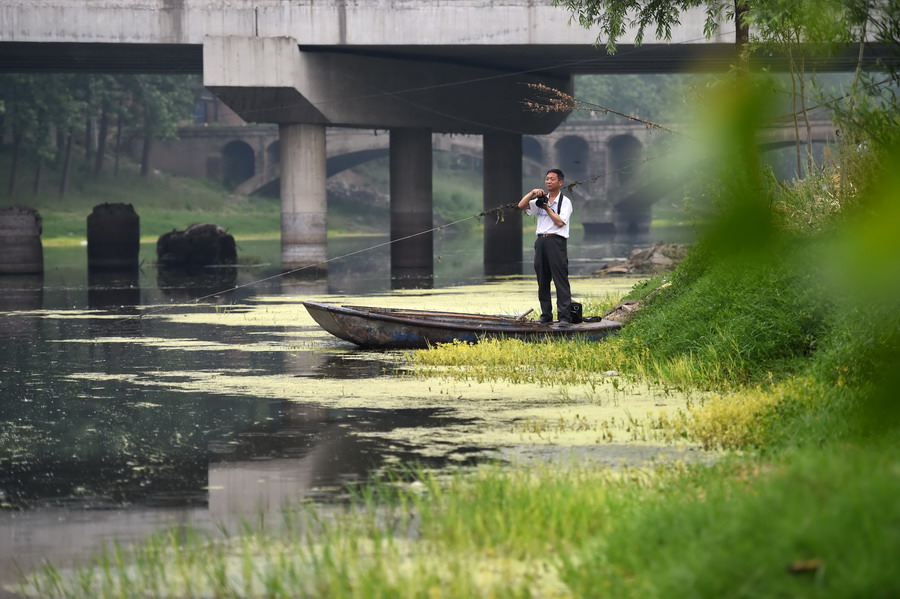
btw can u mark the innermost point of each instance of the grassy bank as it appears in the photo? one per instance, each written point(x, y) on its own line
point(165, 202)
point(809, 524)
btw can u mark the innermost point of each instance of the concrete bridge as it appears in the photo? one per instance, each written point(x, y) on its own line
point(413, 67)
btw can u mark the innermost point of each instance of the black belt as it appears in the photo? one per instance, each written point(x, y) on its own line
point(550, 235)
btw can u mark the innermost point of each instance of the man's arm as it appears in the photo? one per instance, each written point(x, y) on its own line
point(526, 199)
point(558, 219)
point(559, 222)
point(565, 213)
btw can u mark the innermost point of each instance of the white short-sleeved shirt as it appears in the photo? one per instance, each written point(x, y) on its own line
point(562, 206)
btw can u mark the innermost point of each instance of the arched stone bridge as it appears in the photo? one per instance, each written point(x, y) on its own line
point(602, 159)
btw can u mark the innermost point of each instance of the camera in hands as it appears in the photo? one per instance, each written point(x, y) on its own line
point(541, 201)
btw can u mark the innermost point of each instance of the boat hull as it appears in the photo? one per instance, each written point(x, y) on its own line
point(386, 328)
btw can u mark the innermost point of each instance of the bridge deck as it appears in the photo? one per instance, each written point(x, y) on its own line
point(510, 35)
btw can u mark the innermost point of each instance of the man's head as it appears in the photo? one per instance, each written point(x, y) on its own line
point(553, 179)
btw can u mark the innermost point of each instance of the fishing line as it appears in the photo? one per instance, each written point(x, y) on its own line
point(830, 102)
point(396, 95)
point(496, 210)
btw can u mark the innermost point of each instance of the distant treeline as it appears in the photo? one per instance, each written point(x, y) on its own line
point(48, 117)
point(667, 98)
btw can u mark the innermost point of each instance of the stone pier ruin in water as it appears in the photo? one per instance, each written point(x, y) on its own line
point(197, 246)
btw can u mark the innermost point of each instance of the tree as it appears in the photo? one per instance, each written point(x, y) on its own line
point(162, 102)
point(799, 30)
point(795, 30)
point(46, 116)
point(18, 118)
point(613, 17)
point(646, 96)
point(36, 106)
point(113, 101)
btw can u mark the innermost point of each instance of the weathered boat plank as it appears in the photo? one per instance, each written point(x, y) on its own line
point(386, 328)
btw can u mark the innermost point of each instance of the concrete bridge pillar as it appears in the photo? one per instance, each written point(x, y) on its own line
point(632, 223)
point(502, 184)
point(598, 219)
point(412, 260)
point(303, 208)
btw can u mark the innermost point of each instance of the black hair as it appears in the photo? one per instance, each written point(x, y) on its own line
point(558, 173)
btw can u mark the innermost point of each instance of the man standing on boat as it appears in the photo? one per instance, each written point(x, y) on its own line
point(551, 262)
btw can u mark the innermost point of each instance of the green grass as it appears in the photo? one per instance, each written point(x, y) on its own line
point(821, 523)
point(732, 325)
point(163, 203)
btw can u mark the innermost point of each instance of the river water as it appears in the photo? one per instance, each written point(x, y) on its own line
point(127, 407)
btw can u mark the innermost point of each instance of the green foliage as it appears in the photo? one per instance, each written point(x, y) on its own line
point(814, 526)
point(164, 101)
point(614, 17)
point(760, 315)
point(865, 344)
point(644, 288)
point(789, 23)
point(45, 113)
point(34, 105)
point(657, 98)
point(793, 279)
point(165, 202)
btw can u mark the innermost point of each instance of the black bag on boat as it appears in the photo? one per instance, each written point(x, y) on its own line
point(575, 313)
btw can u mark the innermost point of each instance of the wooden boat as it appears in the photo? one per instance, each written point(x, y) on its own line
point(401, 329)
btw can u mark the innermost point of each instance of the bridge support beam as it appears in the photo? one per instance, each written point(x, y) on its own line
point(502, 184)
point(598, 219)
point(303, 207)
point(412, 260)
point(633, 221)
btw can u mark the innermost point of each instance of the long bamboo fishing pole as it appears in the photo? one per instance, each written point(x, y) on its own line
point(498, 211)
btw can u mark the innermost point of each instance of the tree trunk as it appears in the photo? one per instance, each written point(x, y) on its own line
point(14, 163)
point(145, 155)
point(843, 189)
point(794, 111)
point(118, 144)
point(60, 148)
point(101, 141)
point(67, 163)
point(742, 36)
point(38, 174)
point(810, 162)
point(88, 140)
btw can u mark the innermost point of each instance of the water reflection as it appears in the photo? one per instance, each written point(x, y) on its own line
point(502, 269)
point(208, 284)
point(113, 289)
point(411, 278)
point(20, 293)
point(276, 463)
point(613, 246)
point(356, 269)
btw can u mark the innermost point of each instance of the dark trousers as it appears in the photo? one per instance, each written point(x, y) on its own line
point(551, 262)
